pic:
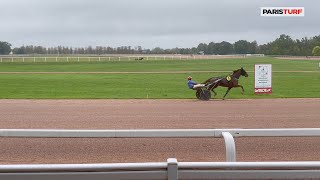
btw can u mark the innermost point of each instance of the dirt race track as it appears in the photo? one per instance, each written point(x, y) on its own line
point(157, 114)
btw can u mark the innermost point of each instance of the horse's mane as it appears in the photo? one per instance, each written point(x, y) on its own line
point(236, 70)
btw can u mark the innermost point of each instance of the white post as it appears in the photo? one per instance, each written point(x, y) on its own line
point(23, 59)
point(180, 57)
point(230, 147)
point(109, 58)
point(78, 59)
point(172, 169)
point(129, 58)
point(148, 59)
point(89, 59)
point(119, 58)
point(34, 59)
point(12, 59)
point(1, 59)
point(67, 59)
point(99, 58)
point(45, 59)
point(56, 59)
point(164, 58)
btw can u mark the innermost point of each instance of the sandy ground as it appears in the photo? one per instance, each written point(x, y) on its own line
point(157, 114)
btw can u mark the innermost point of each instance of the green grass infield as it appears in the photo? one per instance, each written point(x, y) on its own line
point(162, 79)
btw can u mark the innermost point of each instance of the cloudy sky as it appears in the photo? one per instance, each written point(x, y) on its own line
point(149, 23)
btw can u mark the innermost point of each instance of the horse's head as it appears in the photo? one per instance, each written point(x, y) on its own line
point(240, 72)
point(243, 72)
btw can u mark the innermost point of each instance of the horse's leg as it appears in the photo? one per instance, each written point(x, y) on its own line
point(241, 88)
point(226, 93)
point(212, 89)
point(214, 92)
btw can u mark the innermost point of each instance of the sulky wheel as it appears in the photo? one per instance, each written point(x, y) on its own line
point(198, 93)
point(205, 94)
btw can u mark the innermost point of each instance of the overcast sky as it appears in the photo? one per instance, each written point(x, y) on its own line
point(149, 23)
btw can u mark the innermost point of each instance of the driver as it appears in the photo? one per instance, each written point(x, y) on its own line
point(194, 85)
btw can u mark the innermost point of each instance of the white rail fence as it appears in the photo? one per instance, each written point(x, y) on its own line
point(172, 169)
point(296, 57)
point(111, 58)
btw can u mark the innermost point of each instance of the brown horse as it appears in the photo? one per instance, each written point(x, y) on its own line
point(229, 81)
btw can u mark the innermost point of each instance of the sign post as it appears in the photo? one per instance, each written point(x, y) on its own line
point(262, 78)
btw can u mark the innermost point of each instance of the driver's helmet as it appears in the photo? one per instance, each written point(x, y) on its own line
point(189, 78)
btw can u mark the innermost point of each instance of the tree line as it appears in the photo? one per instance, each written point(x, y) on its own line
point(283, 45)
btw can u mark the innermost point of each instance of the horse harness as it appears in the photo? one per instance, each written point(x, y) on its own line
point(229, 79)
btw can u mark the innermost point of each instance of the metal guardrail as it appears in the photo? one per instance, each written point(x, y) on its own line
point(172, 169)
point(158, 133)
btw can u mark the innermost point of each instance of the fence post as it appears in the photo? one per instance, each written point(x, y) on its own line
point(1, 59)
point(67, 59)
point(12, 59)
point(45, 59)
point(78, 59)
point(56, 59)
point(119, 58)
point(109, 58)
point(172, 169)
point(23, 59)
point(99, 58)
point(34, 59)
point(230, 147)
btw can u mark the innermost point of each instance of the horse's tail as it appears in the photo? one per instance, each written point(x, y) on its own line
point(213, 80)
point(208, 80)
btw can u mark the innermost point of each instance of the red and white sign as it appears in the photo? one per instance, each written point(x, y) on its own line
point(262, 78)
point(282, 11)
point(262, 90)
